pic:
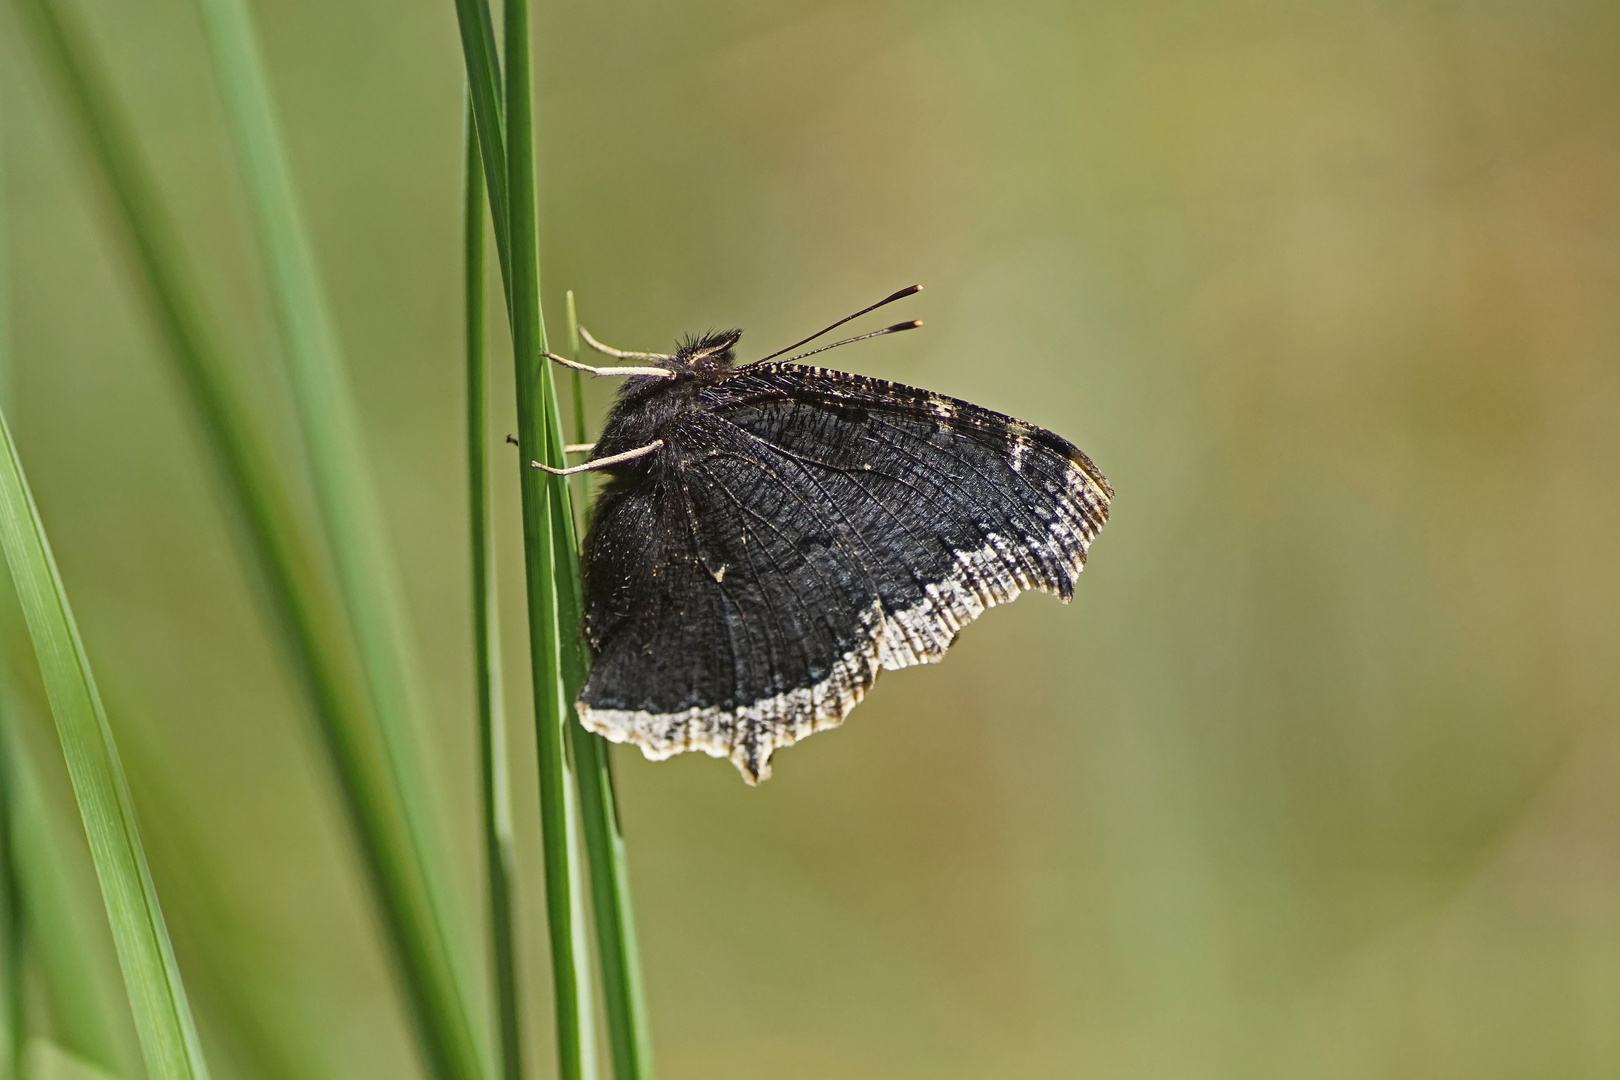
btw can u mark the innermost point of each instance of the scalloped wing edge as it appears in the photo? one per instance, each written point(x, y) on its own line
point(919, 634)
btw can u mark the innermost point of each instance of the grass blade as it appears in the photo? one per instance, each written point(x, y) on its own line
point(497, 800)
point(255, 1030)
point(581, 432)
point(88, 1011)
point(312, 628)
point(535, 405)
point(629, 1035)
point(484, 93)
point(604, 842)
point(45, 920)
point(151, 977)
point(330, 424)
point(13, 1018)
point(14, 1037)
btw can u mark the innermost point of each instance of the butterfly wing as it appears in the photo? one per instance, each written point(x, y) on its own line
point(804, 529)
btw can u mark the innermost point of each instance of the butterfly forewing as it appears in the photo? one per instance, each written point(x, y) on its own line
point(967, 477)
point(802, 529)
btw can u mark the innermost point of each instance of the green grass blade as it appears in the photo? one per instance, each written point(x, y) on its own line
point(484, 91)
point(312, 628)
point(499, 855)
point(88, 1012)
point(580, 430)
point(13, 1017)
point(14, 1037)
point(330, 424)
point(255, 1030)
point(535, 404)
point(604, 843)
point(44, 921)
point(629, 1036)
point(151, 976)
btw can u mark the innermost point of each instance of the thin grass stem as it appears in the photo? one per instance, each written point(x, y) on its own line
point(536, 441)
point(624, 1000)
point(13, 1017)
point(580, 435)
point(628, 1029)
point(230, 964)
point(14, 1038)
point(484, 89)
point(622, 988)
point(344, 487)
point(497, 800)
point(312, 628)
point(629, 1034)
point(157, 996)
point(88, 1015)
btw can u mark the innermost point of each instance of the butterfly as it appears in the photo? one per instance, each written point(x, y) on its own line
point(774, 534)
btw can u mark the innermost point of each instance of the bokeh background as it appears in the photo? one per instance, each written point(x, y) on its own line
point(1318, 775)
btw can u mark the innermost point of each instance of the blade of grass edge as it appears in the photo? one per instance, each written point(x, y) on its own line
point(542, 506)
point(623, 996)
point(477, 31)
point(310, 627)
point(621, 965)
point(13, 1017)
point(499, 855)
point(580, 430)
point(45, 923)
point(151, 977)
point(253, 1028)
point(571, 647)
point(329, 420)
point(88, 1011)
point(622, 983)
point(15, 1035)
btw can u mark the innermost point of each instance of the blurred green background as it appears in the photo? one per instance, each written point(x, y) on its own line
point(1318, 775)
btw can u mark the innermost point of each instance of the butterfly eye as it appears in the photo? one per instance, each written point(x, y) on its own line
point(713, 354)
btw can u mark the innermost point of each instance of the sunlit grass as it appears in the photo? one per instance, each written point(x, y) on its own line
point(152, 979)
point(349, 644)
point(87, 1005)
point(341, 477)
point(551, 559)
point(492, 741)
point(315, 629)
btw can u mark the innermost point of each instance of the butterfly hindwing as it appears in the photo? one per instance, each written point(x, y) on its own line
point(802, 529)
point(726, 634)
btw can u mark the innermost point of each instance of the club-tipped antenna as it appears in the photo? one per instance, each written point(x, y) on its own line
point(895, 329)
point(910, 290)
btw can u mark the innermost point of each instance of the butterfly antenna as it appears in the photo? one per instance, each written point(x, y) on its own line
point(895, 329)
point(901, 295)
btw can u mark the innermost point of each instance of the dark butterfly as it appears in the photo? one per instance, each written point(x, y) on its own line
point(773, 535)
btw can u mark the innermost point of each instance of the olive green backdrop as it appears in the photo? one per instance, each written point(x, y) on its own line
point(1317, 777)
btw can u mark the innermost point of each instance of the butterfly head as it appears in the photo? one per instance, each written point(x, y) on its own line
point(707, 355)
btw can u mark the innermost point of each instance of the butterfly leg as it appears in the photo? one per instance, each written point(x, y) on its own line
point(579, 448)
point(656, 372)
point(603, 463)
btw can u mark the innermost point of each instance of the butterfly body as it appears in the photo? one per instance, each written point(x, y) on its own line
point(796, 531)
